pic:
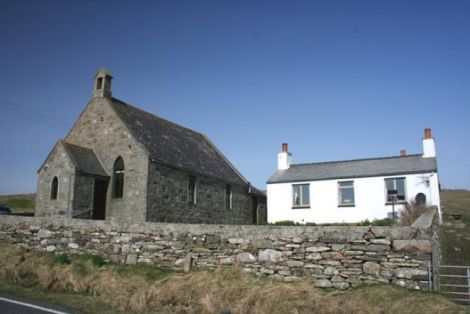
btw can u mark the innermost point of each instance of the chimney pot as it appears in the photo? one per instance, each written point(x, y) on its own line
point(284, 147)
point(403, 153)
point(427, 133)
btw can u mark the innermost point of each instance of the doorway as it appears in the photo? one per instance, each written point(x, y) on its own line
point(99, 199)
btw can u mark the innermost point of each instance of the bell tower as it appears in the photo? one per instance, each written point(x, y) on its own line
point(102, 83)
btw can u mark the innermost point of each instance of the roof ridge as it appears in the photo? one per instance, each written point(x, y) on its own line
point(154, 115)
point(360, 159)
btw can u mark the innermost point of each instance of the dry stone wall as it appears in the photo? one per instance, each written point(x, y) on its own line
point(333, 256)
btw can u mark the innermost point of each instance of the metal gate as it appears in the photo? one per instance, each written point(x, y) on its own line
point(454, 283)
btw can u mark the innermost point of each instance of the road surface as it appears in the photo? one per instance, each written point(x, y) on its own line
point(13, 305)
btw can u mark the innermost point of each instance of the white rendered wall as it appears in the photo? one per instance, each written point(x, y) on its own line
point(284, 160)
point(369, 196)
point(429, 147)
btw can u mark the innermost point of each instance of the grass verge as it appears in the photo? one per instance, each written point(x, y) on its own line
point(455, 230)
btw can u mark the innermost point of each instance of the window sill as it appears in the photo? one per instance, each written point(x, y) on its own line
point(347, 205)
point(300, 207)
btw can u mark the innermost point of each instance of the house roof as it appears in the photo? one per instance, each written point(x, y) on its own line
point(176, 146)
point(84, 159)
point(373, 167)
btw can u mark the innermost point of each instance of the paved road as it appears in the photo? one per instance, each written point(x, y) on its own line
point(14, 305)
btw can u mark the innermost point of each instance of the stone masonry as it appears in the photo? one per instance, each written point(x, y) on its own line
point(331, 256)
point(168, 200)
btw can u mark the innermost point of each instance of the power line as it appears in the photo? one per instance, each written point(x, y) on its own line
point(16, 107)
point(32, 119)
point(32, 115)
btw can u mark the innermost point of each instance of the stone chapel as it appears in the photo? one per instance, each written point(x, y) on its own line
point(121, 163)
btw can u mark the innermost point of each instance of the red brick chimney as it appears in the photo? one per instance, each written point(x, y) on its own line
point(284, 147)
point(427, 133)
point(403, 153)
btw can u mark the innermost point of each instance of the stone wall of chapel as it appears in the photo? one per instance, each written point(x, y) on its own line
point(168, 199)
point(100, 129)
point(58, 164)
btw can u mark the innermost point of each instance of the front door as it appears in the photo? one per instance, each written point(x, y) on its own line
point(99, 199)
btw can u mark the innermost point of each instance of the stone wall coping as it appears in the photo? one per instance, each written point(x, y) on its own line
point(336, 234)
point(426, 219)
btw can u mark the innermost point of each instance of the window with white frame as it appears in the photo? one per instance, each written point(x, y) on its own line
point(395, 190)
point(300, 195)
point(346, 193)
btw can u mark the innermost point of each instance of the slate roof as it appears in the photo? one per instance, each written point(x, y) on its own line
point(84, 159)
point(373, 167)
point(176, 146)
point(258, 192)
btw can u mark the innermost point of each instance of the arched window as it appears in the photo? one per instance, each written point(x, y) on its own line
point(54, 188)
point(118, 171)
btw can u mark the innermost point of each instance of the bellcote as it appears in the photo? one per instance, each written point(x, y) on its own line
point(102, 83)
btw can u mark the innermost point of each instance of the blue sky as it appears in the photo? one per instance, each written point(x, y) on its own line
point(335, 79)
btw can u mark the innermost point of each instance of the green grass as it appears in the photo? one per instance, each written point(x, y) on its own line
point(19, 203)
point(375, 222)
point(86, 264)
point(290, 223)
point(455, 233)
point(62, 259)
